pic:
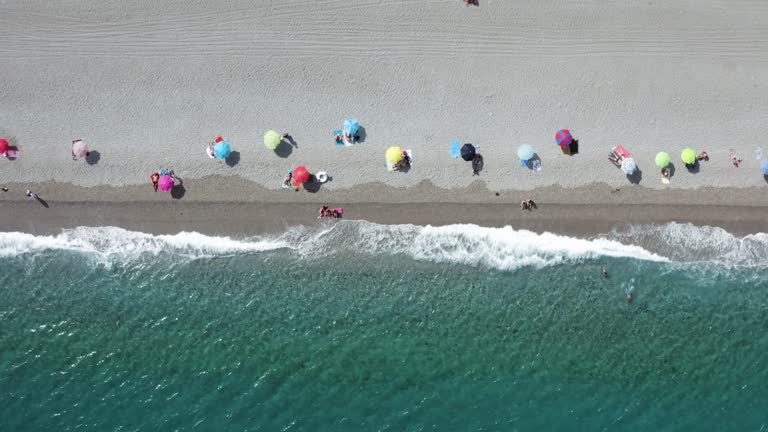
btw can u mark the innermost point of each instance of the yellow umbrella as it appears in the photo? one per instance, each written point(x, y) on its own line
point(394, 154)
point(272, 139)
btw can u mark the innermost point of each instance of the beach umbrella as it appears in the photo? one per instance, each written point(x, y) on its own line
point(351, 126)
point(222, 150)
point(688, 156)
point(468, 152)
point(525, 152)
point(165, 183)
point(563, 137)
point(79, 149)
point(301, 174)
point(272, 139)
point(3, 146)
point(662, 159)
point(394, 154)
point(764, 166)
point(628, 166)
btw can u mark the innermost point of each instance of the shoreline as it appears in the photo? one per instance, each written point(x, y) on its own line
point(243, 219)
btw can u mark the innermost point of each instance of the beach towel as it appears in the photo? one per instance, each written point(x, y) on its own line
point(621, 151)
point(455, 149)
point(339, 143)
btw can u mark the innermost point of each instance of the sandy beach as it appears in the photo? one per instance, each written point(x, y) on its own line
point(149, 84)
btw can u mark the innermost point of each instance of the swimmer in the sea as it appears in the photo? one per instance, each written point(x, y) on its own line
point(628, 293)
point(605, 272)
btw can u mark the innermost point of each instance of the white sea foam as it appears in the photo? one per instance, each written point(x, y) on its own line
point(698, 244)
point(499, 248)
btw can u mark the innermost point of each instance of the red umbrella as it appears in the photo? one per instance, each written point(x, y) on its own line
point(165, 183)
point(300, 174)
point(3, 146)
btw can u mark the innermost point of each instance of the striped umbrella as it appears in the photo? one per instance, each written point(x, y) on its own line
point(563, 137)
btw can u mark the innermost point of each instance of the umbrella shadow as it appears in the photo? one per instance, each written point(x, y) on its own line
point(178, 190)
point(636, 176)
point(573, 147)
point(233, 159)
point(92, 158)
point(765, 177)
point(313, 186)
point(693, 168)
point(531, 162)
point(285, 148)
point(671, 168)
point(360, 135)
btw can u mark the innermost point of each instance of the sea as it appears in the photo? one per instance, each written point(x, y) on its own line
point(355, 326)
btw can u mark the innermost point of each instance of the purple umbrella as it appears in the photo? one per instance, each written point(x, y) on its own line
point(165, 183)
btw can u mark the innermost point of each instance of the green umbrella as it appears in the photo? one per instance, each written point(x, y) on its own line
point(662, 159)
point(688, 156)
point(272, 139)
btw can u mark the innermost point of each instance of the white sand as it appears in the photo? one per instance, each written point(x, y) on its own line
point(148, 83)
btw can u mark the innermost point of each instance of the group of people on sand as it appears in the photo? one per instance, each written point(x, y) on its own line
point(527, 205)
point(330, 213)
point(347, 137)
point(404, 163)
point(155, 177)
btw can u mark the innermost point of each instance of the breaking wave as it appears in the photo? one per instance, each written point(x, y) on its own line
point(499, 248)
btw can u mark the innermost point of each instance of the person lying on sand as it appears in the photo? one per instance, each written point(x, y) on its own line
point(287, 182)
point(735, 159)
point(703, 156)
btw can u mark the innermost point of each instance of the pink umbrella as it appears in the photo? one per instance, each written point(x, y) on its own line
point(79, 149)
point(165, 183)
point(3, 146)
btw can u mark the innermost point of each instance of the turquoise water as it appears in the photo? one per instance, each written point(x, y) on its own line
point(368, 327)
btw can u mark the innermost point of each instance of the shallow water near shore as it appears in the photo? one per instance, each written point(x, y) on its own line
point(357, 326)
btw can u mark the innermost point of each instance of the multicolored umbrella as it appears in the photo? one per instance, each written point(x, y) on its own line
point(563, 137)
point(301, 174)
point(4, 146)
point(628, 166)
point(222, 150)
point(468, 152)
point(165, 183)
point(272, 139)
point(351, 126)
point(525, 152)
point(662, 159)
point(688, 156)
point(764, 166)
point(79, 149)
point(394, 154)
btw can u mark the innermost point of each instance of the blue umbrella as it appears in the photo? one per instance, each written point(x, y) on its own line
point(221, 150)
point(525, 152)
point(764, 166)
point(350, 126)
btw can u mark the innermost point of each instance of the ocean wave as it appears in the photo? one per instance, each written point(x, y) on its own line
point(498, 248)
point(684, 242)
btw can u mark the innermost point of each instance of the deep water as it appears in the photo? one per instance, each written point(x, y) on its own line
point(171, 335)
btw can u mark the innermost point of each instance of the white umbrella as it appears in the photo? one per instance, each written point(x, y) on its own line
point(628, 166)
point(79, 149)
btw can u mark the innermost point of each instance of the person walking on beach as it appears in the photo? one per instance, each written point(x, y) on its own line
point(32, 195)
